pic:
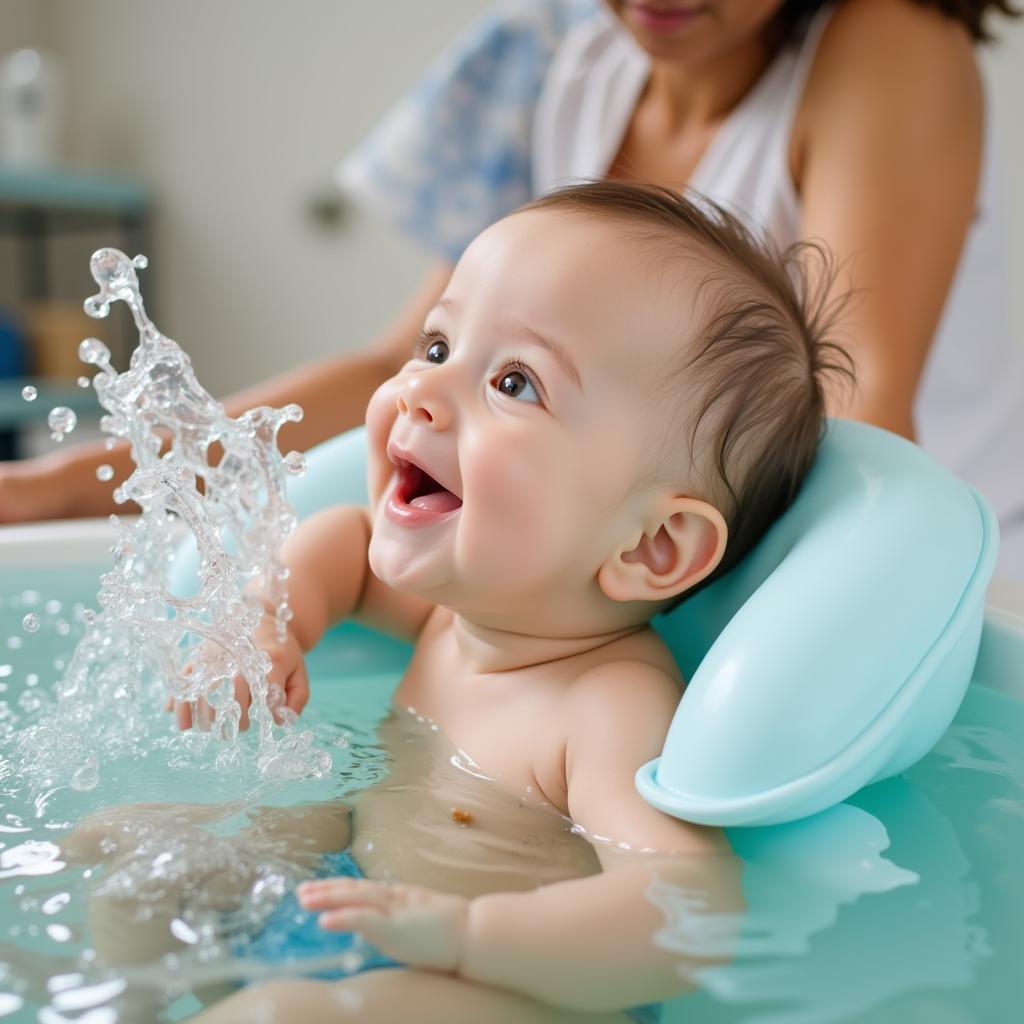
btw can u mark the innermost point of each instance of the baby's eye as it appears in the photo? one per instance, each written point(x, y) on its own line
point(516, 384)
point(436, 352)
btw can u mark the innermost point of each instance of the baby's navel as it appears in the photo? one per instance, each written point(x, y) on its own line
point(461, 817)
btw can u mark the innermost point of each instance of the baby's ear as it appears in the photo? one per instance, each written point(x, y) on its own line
point(679, 548)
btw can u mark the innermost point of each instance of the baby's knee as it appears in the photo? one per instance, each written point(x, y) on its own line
point(117, 831)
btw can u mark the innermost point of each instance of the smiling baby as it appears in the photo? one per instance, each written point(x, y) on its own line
point(618, 392)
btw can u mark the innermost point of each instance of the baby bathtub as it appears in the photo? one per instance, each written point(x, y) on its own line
point(67, 558)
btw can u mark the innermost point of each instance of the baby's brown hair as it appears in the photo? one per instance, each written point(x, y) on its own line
point(758, 360)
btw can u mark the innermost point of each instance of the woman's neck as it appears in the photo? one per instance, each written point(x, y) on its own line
point(686, 96)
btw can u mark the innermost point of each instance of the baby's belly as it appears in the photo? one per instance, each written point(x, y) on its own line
point(434, 823)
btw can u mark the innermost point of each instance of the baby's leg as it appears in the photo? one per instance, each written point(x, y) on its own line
point(390, 995)
point(114, 832)
point(166, 874)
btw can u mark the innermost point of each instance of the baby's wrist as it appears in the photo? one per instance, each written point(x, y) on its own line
point(479, 955)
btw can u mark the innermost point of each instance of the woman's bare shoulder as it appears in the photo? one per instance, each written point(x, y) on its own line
point(885, 66)
point(901, 38)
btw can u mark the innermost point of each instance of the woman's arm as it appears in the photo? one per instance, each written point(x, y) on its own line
point(886, 156)
point(333, 393)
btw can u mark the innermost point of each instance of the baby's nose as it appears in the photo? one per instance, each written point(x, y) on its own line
point(426, 404)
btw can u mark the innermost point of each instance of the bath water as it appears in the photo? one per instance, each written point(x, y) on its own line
point(904, 905)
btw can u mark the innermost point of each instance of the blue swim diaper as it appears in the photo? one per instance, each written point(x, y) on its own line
point(292, 935)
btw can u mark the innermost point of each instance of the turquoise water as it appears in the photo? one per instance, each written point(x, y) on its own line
point(906, 904)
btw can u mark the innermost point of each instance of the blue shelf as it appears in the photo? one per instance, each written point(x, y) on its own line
point(16, 412)
point(57, 188)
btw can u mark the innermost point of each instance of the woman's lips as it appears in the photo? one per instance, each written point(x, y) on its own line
point(663, 19)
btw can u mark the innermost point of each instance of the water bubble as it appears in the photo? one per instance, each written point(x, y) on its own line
point(83, 382)
point(109, 444)
point(61, 421)
point(88, 775)
point(30, 623)
point(29, 393)
point(93, 352)
point(295, 463)
point(104, 472)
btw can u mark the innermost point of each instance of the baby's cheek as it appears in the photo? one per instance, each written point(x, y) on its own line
point(380, 417)
point(521, 513)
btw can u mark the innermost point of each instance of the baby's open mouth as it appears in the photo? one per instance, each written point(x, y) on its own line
point(420, 490)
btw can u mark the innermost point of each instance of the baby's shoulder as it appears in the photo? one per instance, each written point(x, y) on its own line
point(636, 674)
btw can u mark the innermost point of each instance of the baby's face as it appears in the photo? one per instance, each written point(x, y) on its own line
point(509, 456)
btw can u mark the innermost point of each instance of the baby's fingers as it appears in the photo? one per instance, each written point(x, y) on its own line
point(369, 923)
point(344, 893)
point(296, 689)
point(244, 697)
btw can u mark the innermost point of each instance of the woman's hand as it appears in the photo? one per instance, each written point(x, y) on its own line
point(287, 674)
point(420, 927)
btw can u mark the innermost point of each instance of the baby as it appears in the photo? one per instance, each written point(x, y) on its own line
point(616, 395)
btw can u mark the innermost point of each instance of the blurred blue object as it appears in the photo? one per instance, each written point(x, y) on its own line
point(13, 346)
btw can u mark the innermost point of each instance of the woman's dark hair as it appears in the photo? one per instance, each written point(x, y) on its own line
point(756, 362)
point(794, 14)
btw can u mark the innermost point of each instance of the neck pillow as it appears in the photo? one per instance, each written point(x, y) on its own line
point(836, 654)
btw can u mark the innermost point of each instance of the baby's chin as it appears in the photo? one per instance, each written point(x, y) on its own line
point(408, 572)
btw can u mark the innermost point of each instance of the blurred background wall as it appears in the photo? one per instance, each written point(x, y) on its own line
point(235, 113)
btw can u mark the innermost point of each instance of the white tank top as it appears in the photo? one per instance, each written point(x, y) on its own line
point(969, 410)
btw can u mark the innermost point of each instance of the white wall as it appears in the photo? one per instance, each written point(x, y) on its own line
point(237, 111)
point(1003, 67)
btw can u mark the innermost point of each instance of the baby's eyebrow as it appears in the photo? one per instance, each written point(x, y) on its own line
point(561, 356)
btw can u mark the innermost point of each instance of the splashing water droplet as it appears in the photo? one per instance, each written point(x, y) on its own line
point(61, 421)
point(94, 352)
point(30, 623)
point(29, 393)
point(104, 472)
point(295, 463)
point(83, 381)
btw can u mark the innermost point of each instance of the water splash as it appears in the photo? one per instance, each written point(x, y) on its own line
point(147, 640)
point(61, 422)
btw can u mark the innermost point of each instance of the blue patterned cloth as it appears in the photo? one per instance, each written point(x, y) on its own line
point(454, 155)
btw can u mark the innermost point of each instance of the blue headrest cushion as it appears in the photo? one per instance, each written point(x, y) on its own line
point(835, 654)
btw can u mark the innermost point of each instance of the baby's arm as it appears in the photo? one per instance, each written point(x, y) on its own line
point(329, 580)
point(587, 944)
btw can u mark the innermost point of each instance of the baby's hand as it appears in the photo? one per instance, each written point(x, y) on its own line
point(418, 926)
point(287, 672)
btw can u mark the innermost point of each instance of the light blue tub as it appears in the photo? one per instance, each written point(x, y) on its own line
point(904, 904)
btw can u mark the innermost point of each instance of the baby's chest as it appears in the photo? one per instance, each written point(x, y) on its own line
point(510, 727)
